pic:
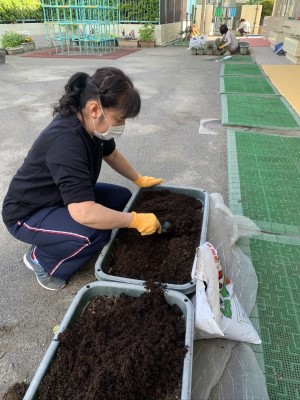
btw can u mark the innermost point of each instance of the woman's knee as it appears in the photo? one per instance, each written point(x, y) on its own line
point(112, 196)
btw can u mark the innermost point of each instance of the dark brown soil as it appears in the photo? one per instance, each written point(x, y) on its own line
point(121, 348)
point(166, 257)
point(16, 391)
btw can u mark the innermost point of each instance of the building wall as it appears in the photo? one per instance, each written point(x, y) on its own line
point(163, 33)
point(208, 23)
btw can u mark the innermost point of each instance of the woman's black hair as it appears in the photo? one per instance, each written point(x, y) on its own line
point(111, 85)
point(223, 29)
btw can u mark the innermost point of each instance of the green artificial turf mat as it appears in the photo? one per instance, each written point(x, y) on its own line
point(247, 85)
point(258, 111)
point(264, 176)
point(276, 261)
point(239, 59)
point(240, 69)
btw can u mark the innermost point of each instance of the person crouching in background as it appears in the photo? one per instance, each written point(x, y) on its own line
point(230, 44)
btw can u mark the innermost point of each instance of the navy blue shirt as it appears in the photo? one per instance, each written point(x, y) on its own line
point(61, 167)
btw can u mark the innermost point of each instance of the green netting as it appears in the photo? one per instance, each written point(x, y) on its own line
point(264, 176)
point(246, 84)
point(240, 69)
point(276, 261)
point(239, 59)
point(258, 111)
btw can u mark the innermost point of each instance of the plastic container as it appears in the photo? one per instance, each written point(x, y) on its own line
point(244, 47)
point(82, 299)
point(107, 250)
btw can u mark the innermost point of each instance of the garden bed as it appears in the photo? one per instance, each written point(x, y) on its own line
point(119, 341)
point(166, 257)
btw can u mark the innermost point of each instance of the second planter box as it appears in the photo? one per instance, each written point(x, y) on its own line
point(102, 270)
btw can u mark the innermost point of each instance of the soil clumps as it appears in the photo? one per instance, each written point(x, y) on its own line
point(120, 348)
point(166, 257)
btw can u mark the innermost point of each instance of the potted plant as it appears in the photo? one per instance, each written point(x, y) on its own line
point(11, 41)
point(218, 42)
point(27, 43)
point(146, 33)
point(209, 47)
point(128, 40)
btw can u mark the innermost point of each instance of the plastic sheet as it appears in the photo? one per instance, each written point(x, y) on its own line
point(197, 42)
point(225, 369)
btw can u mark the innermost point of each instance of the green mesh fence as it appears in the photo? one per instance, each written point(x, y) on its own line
point(238, 59)
point(276, 261)
point(246, 84)
point(264, 176)
point(258, 111)
point(240, 69)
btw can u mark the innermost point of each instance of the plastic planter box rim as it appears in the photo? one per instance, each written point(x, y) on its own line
point(79, 303)
point(189, 287)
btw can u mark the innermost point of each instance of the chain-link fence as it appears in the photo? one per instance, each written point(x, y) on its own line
point(151, 11)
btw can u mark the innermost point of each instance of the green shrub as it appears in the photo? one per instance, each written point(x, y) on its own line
point(139, 10)
point(11, 39)
point(146, 32)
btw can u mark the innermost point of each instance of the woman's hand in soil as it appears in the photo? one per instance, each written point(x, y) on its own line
point(146, 224)
point(147, 181)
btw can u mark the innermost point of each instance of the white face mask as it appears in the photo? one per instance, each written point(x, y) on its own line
point(112, 132)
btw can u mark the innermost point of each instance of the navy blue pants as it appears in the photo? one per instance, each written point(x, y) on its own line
point(62, 245)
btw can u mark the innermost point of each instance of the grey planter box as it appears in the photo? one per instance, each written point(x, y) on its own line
point(2, 57)
point(14, 50)
point(106, 252)
point(29, 46)
point(79, 303)
point(128, 43)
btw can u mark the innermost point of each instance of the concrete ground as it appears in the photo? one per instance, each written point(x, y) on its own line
point(178, 91)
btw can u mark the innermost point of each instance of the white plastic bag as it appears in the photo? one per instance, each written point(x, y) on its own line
point(218, 312)
point(207, 303)
point(220, 372)
point(197, 42)
point(224, 230)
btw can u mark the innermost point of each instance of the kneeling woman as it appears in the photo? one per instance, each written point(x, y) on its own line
point(54, 201)
point(230, 43)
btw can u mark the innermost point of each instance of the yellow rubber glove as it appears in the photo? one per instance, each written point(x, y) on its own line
point(146, 224)
point(147, 181)
point(222, 46)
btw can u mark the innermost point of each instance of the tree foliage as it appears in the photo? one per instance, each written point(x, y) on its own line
point(139, 10)
point(19, 10)
point(267, 7)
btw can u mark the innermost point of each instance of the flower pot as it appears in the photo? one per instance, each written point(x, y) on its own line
point(84, 299)
point(199, 199)
point(201, 51)
point(28, 46)
point(128, 43)
point(145, 44)
point(14, 50)
point(2, 57)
